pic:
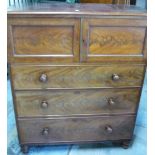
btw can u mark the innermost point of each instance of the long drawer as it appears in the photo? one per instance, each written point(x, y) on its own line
point(77, 76)
point(59, 130)
point(76, 102)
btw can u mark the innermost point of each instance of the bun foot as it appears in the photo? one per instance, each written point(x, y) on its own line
point(24, 149)
point(126, 144)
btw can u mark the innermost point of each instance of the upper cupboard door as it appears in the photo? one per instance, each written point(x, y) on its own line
point(43, 39)
point(113, 40)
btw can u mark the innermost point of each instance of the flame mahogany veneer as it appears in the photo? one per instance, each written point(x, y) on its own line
point(76, 71)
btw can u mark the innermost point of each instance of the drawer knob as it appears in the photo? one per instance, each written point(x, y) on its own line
point(108, 129)
point(45, 132)
point(44, 104)
point(115, 77)
point(43, 78)
point(111, 101)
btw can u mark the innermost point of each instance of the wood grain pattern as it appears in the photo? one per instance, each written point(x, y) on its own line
point(113, 40)
point(58, 40)
point(77, 102)
point(75, 129)
point(43, 39)
point(27, 76)
point(116, 40)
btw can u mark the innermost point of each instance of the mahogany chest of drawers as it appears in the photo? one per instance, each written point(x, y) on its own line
point(76, 71)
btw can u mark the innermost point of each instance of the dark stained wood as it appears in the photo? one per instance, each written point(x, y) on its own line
point(76, 71)
point(42, 38)
point(126, 144)
point(54, 36)
point(75, 129)
point(116, 41)
point(123, 143)
point(39, 40)
point(27, 76)
point(77, 102)
point(113, 39)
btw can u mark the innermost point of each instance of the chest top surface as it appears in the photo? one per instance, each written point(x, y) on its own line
point(75, 9)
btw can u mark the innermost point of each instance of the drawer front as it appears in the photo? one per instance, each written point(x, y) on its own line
point(114, 40)
point(75, 129)
point(76, 102)
point(43, 39)
point(45, 77)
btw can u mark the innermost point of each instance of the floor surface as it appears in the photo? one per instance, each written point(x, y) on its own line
point(138, 147)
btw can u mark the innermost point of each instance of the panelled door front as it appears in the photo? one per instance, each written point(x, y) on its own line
point(109, 40)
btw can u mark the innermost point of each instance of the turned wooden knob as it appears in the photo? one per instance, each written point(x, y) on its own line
point(43, 78)
point(111, 101)
point(115, 77)
point(44, 104)
point(45, 132)
point(108, 129)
